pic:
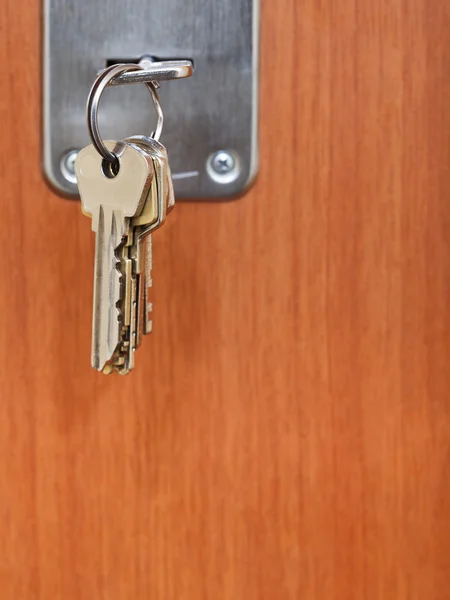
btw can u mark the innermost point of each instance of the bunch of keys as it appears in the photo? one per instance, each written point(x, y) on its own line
point(126, 188)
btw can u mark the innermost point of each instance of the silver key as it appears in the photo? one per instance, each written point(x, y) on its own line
point(112, 201)
point(152, 217)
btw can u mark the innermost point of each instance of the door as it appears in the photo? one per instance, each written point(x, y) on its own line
point(286, 434)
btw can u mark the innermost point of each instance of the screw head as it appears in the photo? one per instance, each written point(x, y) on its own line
point(223, 162)
point(223, 166)
point(68, 165)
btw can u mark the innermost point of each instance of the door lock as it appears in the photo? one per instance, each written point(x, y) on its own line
point(211, 119)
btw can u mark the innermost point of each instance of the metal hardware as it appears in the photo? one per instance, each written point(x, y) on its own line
point(216, 108)
point(223, 162)
point(100, 84)
point(223, 167)
point(68, 166)
point(156, 71)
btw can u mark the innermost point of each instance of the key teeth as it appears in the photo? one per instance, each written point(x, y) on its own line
point(120, 355)
point(117, 364)
point(123, 361)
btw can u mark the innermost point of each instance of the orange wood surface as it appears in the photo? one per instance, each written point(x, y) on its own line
point(286, 434)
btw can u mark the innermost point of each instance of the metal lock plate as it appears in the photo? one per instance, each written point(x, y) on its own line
point(211, 119)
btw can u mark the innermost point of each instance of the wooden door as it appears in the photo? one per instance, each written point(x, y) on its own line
point(286, 435)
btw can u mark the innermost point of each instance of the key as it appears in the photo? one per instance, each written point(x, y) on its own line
point(163, 175)
point(152, 217)
point(112, 201)
point(136, 257)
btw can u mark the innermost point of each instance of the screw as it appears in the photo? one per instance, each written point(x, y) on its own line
point(68, 165)
point(223, 162)
point(223, 166)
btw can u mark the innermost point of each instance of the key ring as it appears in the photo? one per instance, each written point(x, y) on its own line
point(101, 83)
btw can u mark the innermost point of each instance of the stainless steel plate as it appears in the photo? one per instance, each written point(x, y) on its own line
point(215, 110)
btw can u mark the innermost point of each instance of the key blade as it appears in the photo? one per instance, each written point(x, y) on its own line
point(143, 265)
point(106, 319)
point(147, 312)
point(129, 308)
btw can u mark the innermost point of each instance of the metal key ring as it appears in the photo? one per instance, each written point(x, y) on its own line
point(101, 83)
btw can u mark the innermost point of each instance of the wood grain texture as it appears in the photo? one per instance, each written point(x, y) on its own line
point(286, 434)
